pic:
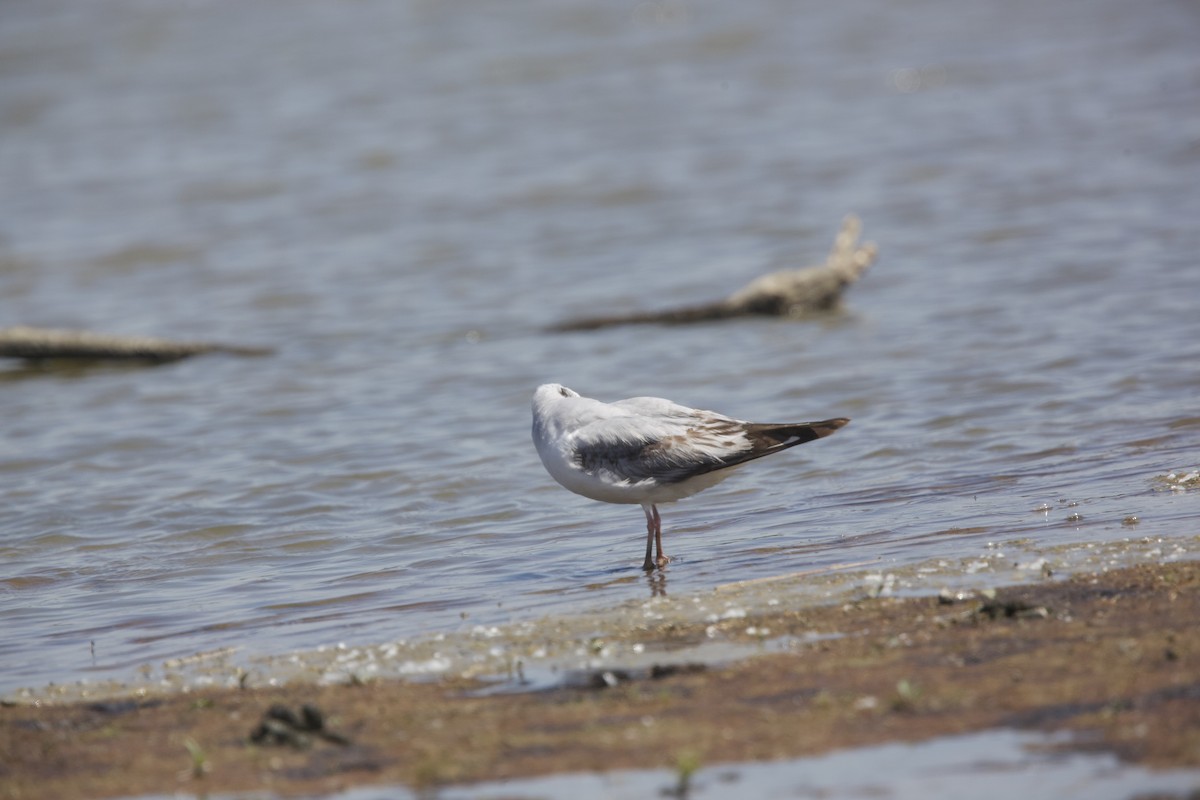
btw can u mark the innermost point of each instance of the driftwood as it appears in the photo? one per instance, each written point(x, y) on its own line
point(46, 343)
point(788, 293)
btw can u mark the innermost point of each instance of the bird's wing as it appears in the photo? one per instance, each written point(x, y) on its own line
point(660, 408)
point(663, 447)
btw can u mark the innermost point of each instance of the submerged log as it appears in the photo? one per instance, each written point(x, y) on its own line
point(787, 293)
point(36, 344)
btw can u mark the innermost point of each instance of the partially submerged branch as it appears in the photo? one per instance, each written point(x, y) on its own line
point(787, 293)
point(47, 343)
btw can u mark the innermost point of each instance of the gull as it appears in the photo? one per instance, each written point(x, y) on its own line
point(648, 451)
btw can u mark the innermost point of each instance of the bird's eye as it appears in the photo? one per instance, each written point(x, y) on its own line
point(564, 391)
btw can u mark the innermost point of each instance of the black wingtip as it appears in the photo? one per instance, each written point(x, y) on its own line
point(769, 438)
point(828, 426)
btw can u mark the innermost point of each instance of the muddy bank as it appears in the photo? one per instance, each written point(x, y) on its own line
point(1111, 656)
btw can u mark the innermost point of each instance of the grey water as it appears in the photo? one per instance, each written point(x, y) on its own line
point(991, 764)
point(399, 197)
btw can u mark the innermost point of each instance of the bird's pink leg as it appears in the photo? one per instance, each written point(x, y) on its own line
point(651, 514)
point(662, 559)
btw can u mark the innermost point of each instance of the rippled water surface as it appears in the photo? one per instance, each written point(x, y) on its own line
point(993, 765)
point(400, 196)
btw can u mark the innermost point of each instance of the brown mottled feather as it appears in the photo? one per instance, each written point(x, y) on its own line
point(670, 460)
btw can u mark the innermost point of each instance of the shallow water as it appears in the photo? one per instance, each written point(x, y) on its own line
point(399, 197)
point(993, 764)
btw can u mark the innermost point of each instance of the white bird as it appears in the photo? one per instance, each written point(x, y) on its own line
point(648, 450)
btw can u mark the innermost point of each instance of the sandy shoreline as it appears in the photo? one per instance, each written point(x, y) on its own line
point(1112, 655)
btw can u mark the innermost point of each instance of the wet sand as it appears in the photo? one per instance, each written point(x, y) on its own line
point(1111, 657)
